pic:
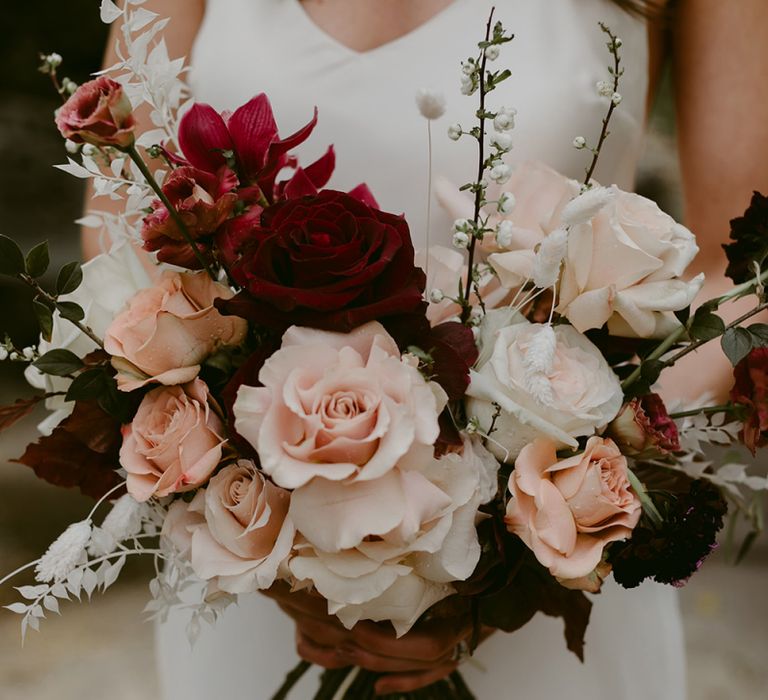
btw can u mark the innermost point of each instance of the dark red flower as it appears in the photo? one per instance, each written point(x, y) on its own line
point(204, 201)
point(327, 261)
point(251, 137)
point(750, 390)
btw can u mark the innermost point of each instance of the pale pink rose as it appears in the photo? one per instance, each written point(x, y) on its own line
point(167, 330)
point(235, 531)
point(624, 267)
point(337, 405)
point(567, 511)
point(445, 268)
point(389, 548)
point(99, 113)
point(174, 442)
point(540, 194)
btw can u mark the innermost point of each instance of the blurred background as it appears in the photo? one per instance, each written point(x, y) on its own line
point(106, 644)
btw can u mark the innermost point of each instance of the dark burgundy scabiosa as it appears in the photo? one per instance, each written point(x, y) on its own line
point(327, 261)
point(749, 236)
point(204, 201)
point(643, 426)
point(750, 390)
point(673, 552)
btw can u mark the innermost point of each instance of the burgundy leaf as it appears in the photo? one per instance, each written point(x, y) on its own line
point(9, 415)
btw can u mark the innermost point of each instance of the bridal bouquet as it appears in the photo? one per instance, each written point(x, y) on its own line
point(285, 391)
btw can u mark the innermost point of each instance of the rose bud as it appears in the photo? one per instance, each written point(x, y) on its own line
point(643, 425)
point(99, 113)
point(750, 390)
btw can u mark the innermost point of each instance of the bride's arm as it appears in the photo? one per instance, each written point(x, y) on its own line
point(179, 35)
point(721, 69)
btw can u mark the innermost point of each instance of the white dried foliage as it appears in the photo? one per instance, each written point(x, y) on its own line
point(546, 264)
point(539, 362)
point(584, 207)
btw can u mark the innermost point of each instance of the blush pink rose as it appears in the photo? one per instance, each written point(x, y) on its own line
point(567, 511)
point(235, 531)
point(169, 329)
point(174, 442)
point(337, 405)
point(99, 113)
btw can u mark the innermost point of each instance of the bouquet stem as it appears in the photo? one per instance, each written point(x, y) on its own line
point(363, 686)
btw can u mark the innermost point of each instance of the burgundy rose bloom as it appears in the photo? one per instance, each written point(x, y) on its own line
point(250, 136)
point(204, 201)
point(328, 261)
point(750, 390)
point(98, 113)
point(643, 425)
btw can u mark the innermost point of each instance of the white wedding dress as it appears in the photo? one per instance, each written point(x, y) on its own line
point(634, 645)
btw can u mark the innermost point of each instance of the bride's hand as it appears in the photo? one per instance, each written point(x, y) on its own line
point(423, 656)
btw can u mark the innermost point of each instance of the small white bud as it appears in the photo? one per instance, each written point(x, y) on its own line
point(468, 86)
point(504, 234)
point(14, 356)
point(72, 147)
point(53, 60)
point(492, 52)
point(618, 43)
point(454, 132)
point(604, 88)
point(3, 353)
point(436, 296)
point(473, 425)
point(431, 103)
point(579, 142)
point(506, 203)
point(467, 68)
point(29, 353)
point(460, 239)
point(475, 315)
point(500, 173)
point(69, 86)
point(502, 140)
point(616, 98)
point(462, 225)
point(89, 149)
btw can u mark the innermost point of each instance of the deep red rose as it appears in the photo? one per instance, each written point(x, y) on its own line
point(327, 261)
point(204, 201)
point(99, 113)
point(250, 136)
point(643, 425)
point(750, 390)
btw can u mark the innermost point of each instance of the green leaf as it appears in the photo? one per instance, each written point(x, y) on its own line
point(683, 315)
point(736, 343)
point(706, 326)
point(69, 278)
point(58, 362)
point(70, 310)
point(38, 260)
point(90, 384)
point(651, 369)
point(44, 319)
point(11, 257)
point(759, 333)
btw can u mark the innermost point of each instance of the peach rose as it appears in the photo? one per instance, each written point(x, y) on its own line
point(567, 511)
point(337, 405)
point(623, 267)
point(235, 530)
point(99, 113)
point(548, 382)
point(174, 442)
point(169, 329)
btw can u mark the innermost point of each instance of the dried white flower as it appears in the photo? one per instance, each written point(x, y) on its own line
point(506, 203)
point(604, 88)
point(460, 239)
point(462, 225)
point(124, 520)
point(579, 142)
point(436, 296)
point(501, 140)
point(64, 554)
point(616, 98)
point(467, 68)
point(454, 132)
point(14, 355)
point(584, 207)
point(492, 52)
point(504, 119)
point(546, 264)
point(504, 234)
point(29, 353)
point(468, 84)
point(500, 173)
point(431, 103)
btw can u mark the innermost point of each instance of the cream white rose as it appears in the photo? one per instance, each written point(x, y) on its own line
point(337, 406)
point(623, 267)
point(548, 382)
point(389, 549)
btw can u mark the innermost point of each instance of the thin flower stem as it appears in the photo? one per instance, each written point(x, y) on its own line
point(707, 410)
point(142, 166)
point(465, 311)
point(293, 677)
point(429, 197)
point(104, 498)
point(611, 107)
point(18, 571)
point(52, 301)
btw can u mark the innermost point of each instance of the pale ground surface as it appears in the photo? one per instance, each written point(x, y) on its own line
point(104, 650)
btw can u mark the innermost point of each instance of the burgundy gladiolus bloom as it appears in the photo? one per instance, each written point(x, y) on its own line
point(250, 134)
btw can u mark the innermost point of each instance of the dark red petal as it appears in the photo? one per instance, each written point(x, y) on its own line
point(202, 136)
point(321, 170)
point(300, 185)
point(281, 146)
point(253, 129)
point(363, 194)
